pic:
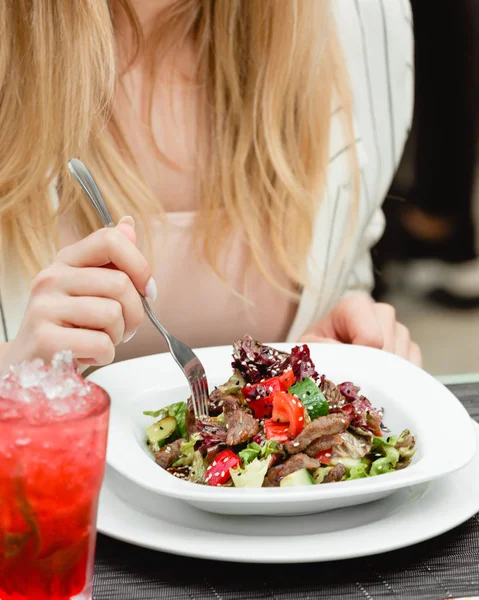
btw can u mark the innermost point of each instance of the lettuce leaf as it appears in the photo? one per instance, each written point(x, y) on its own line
point(251, 475)
point(187, 450)
point(255, 451)
point(359, 471)
point(197, 468)
point(249, 454)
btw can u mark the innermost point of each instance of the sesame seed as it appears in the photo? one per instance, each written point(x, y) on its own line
point(299, 362)
point(218, 485)
point(295, 444)
point(328, 454)
point(227, 425)
point(225, 460)
point(208, 478)
point(300, 419)
point(222, 473)
point(293, 401)
point(258, 397)
point(214, 463)
point(168, 449)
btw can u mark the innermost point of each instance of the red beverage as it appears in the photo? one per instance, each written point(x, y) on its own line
point(53, 432)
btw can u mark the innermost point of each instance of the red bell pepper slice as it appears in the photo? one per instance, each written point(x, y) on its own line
point(218, 472)
point(287, 379)
point(324, 456)
point(281, 383)
point(258, 395)
point(276, 431)
point(289, 409)
point(262, 408)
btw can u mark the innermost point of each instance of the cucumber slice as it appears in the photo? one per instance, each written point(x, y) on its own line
point(301, 477)
point(320, 474)
point(157, 433)
point(312, 398)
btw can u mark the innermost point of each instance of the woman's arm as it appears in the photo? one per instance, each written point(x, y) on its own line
point(357, 319)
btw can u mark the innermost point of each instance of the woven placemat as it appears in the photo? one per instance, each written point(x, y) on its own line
point(445, 567)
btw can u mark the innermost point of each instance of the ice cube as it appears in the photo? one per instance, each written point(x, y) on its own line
point(42, 393)
point(28, 374)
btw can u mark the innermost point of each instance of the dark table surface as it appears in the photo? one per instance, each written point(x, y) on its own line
point(444, 567)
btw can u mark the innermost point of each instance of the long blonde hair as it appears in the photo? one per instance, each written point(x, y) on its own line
point(268, 69)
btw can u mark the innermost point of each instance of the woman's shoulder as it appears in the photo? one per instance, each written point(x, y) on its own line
point(378, 44)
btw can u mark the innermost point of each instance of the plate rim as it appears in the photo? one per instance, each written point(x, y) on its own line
point(186, 491)
point(300, 552)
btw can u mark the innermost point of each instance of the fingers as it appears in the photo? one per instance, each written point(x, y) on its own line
point(386, 317)
point(415, 354)
point(310, 338)
point(402, 341)
point(355, 322)
point(358, 320)
point(91, 282)
point(100, 314)
point(111, 246)
point(89, 347)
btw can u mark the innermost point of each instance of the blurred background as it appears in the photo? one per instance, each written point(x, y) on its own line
point(427, 263)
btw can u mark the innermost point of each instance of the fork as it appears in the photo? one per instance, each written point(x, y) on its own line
point(184, 356)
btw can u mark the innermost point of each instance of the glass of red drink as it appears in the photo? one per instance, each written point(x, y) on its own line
point(53, 434)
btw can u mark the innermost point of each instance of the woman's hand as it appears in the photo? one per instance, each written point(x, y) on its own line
point(77, 304)
point(359, 320)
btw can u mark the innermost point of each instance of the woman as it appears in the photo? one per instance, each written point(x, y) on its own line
point(228, 130)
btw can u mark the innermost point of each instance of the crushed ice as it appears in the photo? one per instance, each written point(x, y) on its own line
point(59, 381)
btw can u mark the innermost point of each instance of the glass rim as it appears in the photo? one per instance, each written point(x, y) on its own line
point(102, 408)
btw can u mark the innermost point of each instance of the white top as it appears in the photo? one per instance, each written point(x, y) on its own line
point(378, 43)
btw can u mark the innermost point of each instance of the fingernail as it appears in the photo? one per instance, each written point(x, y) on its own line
point(150, 289)
point(127, 221)
point(128, 336)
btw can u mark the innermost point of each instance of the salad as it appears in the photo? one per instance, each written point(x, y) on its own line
point(276, 422)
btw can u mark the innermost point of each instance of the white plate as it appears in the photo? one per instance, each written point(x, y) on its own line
point(412, 399)
point(406, 517)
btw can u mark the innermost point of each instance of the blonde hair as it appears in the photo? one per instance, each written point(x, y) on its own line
point(268, 70)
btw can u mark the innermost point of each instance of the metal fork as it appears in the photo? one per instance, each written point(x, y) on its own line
point(186, 359)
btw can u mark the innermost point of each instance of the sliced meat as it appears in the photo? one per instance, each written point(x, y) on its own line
point(352, 446)
point(337, 473)
point(180, 472)
point(215, 403)
point(328, 425)
point(333, 394)
point(169, 454)
point(240, 423)
point(323, 443)
point(295, 463)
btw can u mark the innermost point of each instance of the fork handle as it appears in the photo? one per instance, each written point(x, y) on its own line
point(85, 179)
